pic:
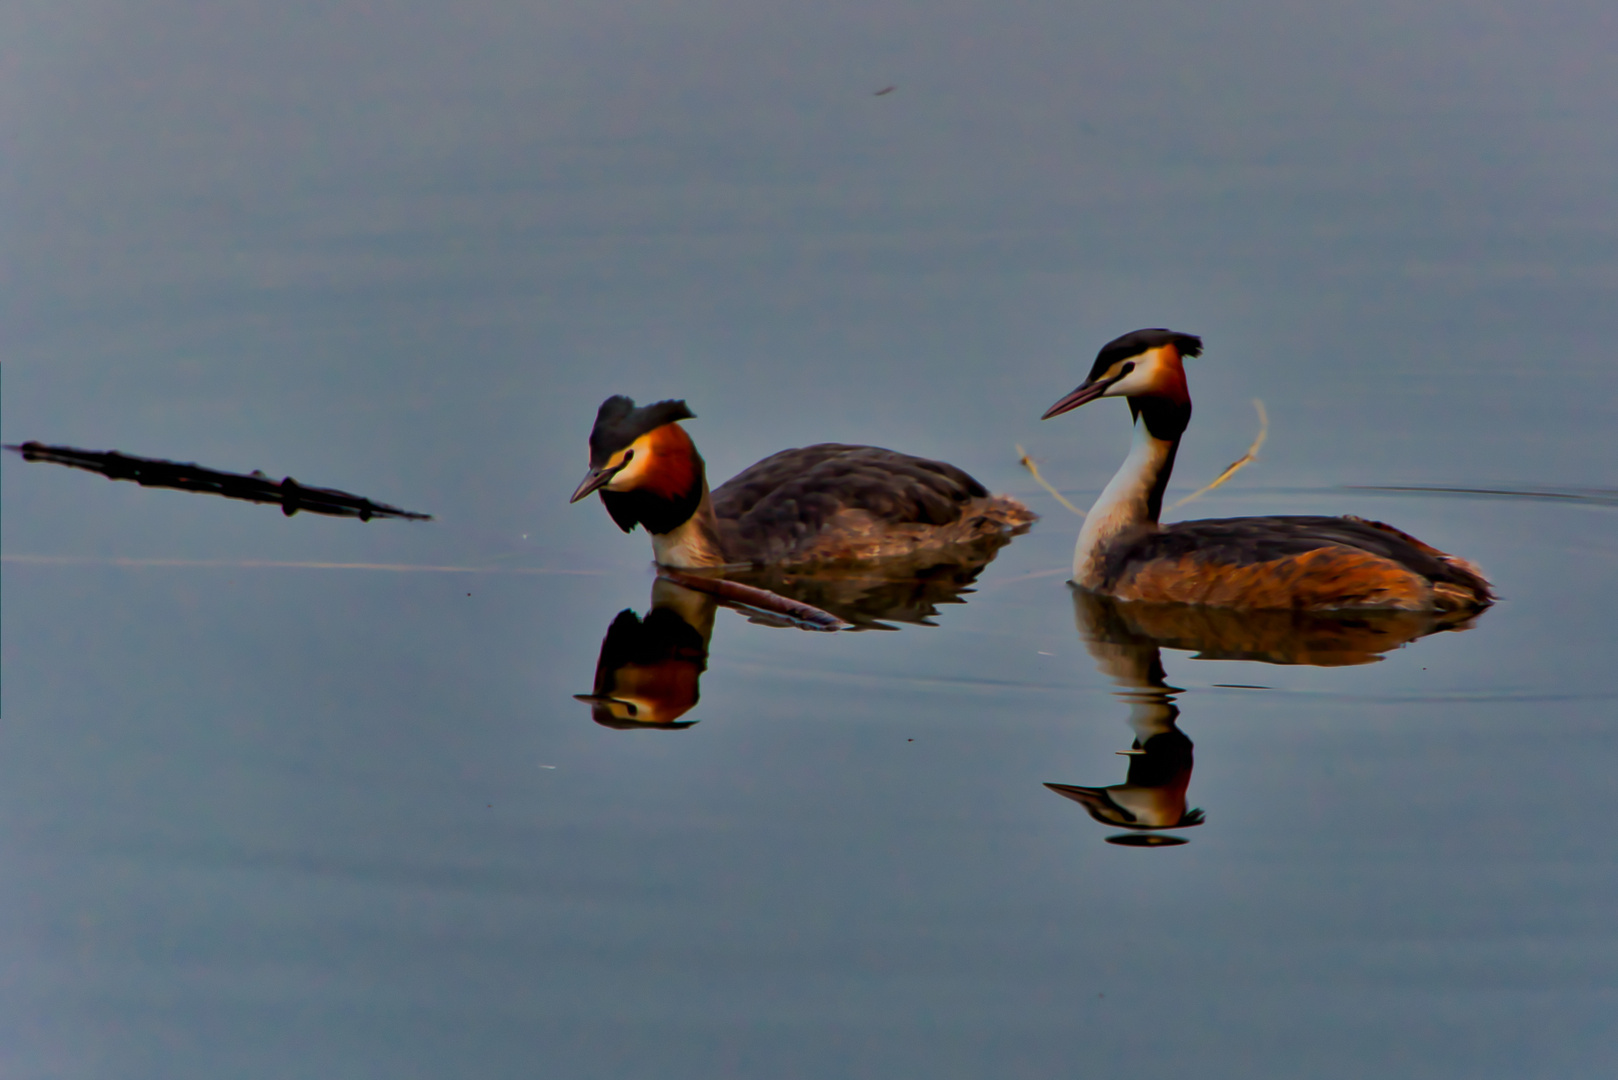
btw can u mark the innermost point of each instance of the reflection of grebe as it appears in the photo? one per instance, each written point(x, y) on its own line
point(1153, 794)
point(1126, 639)
point(648, 672)
point(873, 597)
point(823, 504)
point(1309, 563)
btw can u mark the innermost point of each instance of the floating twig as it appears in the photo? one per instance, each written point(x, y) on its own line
point(734, 593)
point(1033, 470)
point(1236, 466)
point(287, 493)
point(1231, 470)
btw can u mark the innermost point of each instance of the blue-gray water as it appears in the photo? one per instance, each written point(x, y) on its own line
point(318, 820)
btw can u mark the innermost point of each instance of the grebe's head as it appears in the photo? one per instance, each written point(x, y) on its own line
point(1143, 364)
point(633, 448)
point(644, 464)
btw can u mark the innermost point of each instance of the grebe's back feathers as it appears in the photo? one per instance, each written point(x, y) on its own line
point(1290, 561)
point(832, 502)
point(805, 486)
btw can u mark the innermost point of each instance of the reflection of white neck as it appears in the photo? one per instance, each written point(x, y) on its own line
point(1137, 667)
point(1125, 506)
point(694, 543)
point(695, 609)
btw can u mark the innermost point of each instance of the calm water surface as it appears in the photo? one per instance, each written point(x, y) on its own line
point(311, 797)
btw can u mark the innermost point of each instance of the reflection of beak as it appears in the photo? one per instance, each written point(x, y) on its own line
point(1089, 391)
point(594, 480)
point(608, 700)
point(1099, 802)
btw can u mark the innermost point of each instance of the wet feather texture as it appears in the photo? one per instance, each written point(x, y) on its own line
point(835, 502)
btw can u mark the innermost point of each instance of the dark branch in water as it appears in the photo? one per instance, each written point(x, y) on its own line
point(734, 593)
point(288, 494)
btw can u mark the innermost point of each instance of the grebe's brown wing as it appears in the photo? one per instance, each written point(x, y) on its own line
point(1267, 557)
point(797, 491)
point(833, 502)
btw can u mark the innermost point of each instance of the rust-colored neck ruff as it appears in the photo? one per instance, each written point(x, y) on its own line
point(665, 489)
point(675, 470)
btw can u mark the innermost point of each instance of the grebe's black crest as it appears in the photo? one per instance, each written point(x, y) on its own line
point(1139, 341)
point(619, 422)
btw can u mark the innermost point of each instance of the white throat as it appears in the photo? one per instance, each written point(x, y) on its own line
point(1124, 506)
point(694, 543)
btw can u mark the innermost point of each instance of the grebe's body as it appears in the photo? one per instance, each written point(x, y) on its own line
point(826, 504)
point(1304, 563)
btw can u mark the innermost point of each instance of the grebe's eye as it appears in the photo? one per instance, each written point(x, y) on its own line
point(629, 455)
point(1126, 369)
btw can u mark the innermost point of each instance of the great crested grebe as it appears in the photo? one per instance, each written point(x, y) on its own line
point(823, 504)
point(1303, 563)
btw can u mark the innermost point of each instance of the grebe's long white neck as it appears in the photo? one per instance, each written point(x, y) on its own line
point(1130, 503)
point(1144, 367)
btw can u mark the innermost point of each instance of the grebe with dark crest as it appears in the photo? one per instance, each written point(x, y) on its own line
point(1300, 562)
point(827, 504)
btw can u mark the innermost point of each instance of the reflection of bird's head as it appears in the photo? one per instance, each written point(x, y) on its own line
point(1142, 366)
point(649, 671)
point(1152, 795)
point(644, 464)
point(634, 714)
point(1131, 807)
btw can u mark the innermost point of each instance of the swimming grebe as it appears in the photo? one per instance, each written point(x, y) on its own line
point(1304, 563)
point(823, 504)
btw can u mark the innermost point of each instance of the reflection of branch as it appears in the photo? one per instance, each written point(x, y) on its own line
point(1236, 466)
point(288, 494)
point(1231, 470)
point(1033, 470)
point(734, 593)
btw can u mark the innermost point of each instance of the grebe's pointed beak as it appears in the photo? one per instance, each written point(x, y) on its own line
point(1089, 391)
point(594, 480)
